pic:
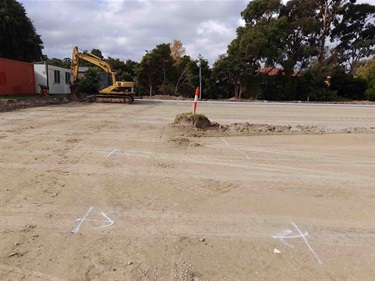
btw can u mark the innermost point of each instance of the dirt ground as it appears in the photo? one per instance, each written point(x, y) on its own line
point(35, 101)
point(116, 192)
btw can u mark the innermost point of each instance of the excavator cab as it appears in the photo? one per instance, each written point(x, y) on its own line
point(105, 80)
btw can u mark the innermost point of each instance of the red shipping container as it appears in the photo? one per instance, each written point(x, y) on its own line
point(16, 77)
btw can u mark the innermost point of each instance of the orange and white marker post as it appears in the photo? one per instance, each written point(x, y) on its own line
point(196, 100)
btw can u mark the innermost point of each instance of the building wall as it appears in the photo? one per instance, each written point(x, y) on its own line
point(16, 77)
point(58, 80)
point(40, 73)
point(55, 77)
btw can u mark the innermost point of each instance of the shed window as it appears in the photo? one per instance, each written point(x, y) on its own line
point(57, 76)
point(67, 78)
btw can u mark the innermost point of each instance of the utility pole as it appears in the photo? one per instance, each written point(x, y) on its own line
point(200, 78)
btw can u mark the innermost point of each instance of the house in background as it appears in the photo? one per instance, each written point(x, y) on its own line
point(269, 74)
point(56, 78)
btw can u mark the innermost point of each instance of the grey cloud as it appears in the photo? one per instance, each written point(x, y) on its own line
point(125, 29)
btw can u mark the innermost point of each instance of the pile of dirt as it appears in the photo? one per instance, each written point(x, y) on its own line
point(190, 125)
point(164, 97)
point(13, 104)
point(193, 120)
point(239, 100)
point(238, 129)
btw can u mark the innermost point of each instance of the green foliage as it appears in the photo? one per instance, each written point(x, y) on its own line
point(166, 89)
point(147, 74)
point(312, 81)
point(367, 72)
point(130, 67)
point(116, 64)
point(370, 92)
point(125, 76)
point(84, 63)
point(206, 74)
point(328, 13)
point(260, 10)
point(124, 70)
point(261, 38)
point(356, 32)
point(163, 56)
point(154, 72)
point(89, 83)
point(349, 87)
point(281, 87)
point(18, 97)
point(97, 53)
point(58, 62)
point(159, 73)
point(184, 76)
point(254, 89)
point(313, 88)
point(301, 37)
point(200, 116)
point(18, 38)
point(189, 115)
point(238, 64)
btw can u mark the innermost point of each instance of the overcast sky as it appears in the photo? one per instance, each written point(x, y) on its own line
point(125, 29)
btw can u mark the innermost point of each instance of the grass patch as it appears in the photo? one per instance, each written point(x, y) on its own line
point(18, 97)
point(196, 115)
point(30, 96)
point(193, 120)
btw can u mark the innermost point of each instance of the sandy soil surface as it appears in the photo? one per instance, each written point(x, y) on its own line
point(115, 192)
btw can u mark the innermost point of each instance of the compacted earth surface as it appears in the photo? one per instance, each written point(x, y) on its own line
point(93, 191)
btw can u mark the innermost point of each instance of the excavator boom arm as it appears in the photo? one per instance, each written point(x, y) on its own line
point(76, 56)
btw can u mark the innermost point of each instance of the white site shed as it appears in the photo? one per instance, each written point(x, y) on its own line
point(56, 78)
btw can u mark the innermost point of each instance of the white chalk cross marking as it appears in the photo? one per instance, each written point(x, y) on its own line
point(247, 156)
point(109, 154)
point(81, 220)
point(286, 235)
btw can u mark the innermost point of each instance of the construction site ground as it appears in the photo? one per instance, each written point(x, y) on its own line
point(93, 191)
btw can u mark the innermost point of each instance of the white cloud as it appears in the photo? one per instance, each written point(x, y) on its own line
point(213, 27)
point(126, 28)
point(241, 22)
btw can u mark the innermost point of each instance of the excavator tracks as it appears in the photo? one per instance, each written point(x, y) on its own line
point(111, 98)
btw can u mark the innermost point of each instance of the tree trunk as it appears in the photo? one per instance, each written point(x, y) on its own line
point(237, 91)
point(150, 86)
point(354, 62)
point(183, 73)
point(164, 74)
point(324, 33)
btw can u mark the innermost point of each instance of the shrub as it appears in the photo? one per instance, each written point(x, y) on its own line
point(349, 87)
point(89, 83)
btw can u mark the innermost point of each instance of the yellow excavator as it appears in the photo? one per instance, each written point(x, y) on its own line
point(110, 90)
